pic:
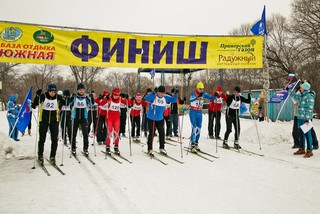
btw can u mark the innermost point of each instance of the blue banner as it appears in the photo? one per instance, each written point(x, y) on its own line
point(282, 94)
point(24, 115)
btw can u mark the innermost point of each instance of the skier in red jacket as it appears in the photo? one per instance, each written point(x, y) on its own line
point(137, 104)
point(102, 102)
point(113, 120)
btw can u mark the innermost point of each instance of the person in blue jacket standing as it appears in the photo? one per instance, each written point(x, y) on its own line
point(157, 101)
point(12, 115)
point(196, 103)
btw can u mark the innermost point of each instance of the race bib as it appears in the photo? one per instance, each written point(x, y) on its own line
point(50, 105)
point(80, 103)
point(114, 106)
point(235, 104)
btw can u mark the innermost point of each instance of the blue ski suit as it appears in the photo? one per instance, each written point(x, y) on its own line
point(12, 115)
point(195, 113)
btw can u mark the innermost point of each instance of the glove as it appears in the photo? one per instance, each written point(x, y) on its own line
point(39, 92)
point(155, 90)
point(107, 97)
point(200, 94)
point(122, 95)
point(216, 94)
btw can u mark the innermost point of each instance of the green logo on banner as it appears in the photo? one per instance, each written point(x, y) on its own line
point(43, 36)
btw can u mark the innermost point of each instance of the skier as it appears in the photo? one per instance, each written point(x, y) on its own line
point(12, 116)
point(166, 116)
point(137, 105)
point(196, 102)
point(80, 103)
point(144, 114)
point(113, 120)
point(174, 116)
point(232, 116)
point(215, 112)
point(65, 117)
point(102, 102)
point(92, 114)
point(305, 113)
point(123, 115)
point(48, 118)
point(157, 101)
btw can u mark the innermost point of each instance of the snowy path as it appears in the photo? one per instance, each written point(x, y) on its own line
point(234, 183)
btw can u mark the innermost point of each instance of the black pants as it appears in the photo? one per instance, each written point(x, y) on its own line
point(123, 120)
point(102, 129)
point(54, 130)
point(135, 126)
point(152, 126)
point(66, 127)
point(236, 124)
point(84, 127)
point(94, 121)
point(295, 132)
point(212, 116)
point(168, 125)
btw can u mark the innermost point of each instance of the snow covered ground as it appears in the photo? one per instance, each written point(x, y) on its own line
point(279, 182)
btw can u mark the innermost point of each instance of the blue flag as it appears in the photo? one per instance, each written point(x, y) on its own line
point(126, 79)
point(243, 108)
point(260, 28)
point(152, 73)
point(24, 115)
point(282, 94)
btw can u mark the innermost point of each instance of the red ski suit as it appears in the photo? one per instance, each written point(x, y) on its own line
point(113, 120)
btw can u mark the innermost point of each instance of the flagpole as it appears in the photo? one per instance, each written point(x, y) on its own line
point(266, 75)
point(285, 101)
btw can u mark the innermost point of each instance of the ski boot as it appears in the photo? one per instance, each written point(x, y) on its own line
point(176, 135)
point(163, 151)
point(218, 137)
point(74, 152)
point(53, 160)
point(211, 137)
point(40, 160)
point(168, 138)
point(146, 134)
point(29, 132)
point(193, 148)
point(236, 145)
point(150, 152)
point(116, 150)
point(197, 146)
point(138, 139)
point(108, 150)
point(85, 151)
point(225, 145)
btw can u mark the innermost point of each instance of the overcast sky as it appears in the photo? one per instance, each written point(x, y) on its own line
point(195, 17)
point(188, 17)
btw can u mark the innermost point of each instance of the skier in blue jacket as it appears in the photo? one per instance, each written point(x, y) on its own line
point(195, 114)
point(157, 101)
point(12, 115)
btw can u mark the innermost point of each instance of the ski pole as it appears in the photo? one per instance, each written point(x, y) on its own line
point(64, 131)
point(35, 144)
point(93, 140)
point(255, 122)
point(128, 115)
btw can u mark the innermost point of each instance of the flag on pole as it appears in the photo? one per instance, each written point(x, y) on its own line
point(126, 79)
point(260, 28)
point(24, 115)
point(152, 73)
point(282, 94)
point(290, 77)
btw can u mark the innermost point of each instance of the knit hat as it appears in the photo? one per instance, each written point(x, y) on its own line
point(60, 92)
point(219, 88)
point(149, 90)
point(200, 85)
point(237, 89)
point(80, 86)
point(306, 86)
point(138, 96)
point(162, 89)
point(116, 91)
point(105, 93)
point(52, 87)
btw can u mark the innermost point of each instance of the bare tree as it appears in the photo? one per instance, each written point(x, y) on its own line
point(86, 75)
point(7, 76)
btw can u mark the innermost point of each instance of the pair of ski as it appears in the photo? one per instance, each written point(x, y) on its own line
point(164, 155)
point(242, 151)
point(114, 158)
point(86, 156)
point(54, 165)
point(201, 154)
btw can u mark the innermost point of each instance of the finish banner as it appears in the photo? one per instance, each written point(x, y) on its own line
point(25, 43)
